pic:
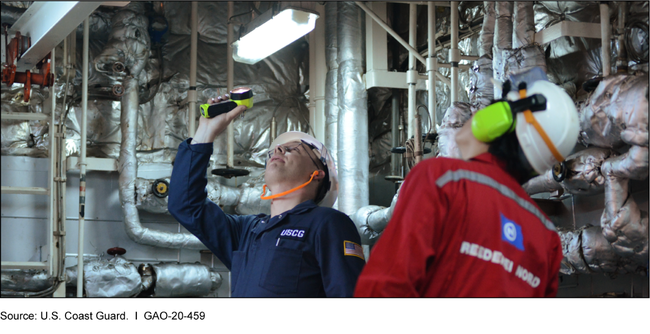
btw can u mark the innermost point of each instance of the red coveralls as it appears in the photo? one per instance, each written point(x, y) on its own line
point(463, 229)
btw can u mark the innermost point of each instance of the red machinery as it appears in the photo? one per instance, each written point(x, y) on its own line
point(14, 50)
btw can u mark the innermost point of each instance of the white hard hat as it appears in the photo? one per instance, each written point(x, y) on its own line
point(559, 122)
point(323, 155)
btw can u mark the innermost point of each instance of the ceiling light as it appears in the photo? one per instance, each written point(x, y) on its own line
point(271, 32)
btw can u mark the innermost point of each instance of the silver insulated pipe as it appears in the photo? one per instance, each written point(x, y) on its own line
point(128, 50)
point(353, 147)
point(482, 89)
point(372, 220)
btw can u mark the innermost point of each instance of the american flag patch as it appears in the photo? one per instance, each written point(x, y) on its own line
point(353, 249)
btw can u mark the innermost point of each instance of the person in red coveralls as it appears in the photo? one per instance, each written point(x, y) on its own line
point(466, 228)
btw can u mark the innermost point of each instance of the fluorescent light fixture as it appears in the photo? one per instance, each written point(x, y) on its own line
point(270, 33)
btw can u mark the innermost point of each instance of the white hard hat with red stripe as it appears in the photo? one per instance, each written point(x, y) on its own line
point(323, 154)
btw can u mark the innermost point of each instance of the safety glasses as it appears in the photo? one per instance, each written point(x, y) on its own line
point(291, 148)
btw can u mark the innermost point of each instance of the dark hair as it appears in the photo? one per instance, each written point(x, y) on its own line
point(507, 149)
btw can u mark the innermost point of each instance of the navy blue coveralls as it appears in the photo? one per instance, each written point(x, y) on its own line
point(299, 253)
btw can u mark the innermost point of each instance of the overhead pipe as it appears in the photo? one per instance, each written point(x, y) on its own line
point(454, 52)
point(412, 73)
point(353, 110)
point(191, 93)
point(605, 38)
point(82, 154)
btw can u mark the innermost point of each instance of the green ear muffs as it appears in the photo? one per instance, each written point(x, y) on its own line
point(493, 122)
point(498, 119)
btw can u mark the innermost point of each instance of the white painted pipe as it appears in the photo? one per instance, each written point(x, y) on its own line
point(454, 52)
point(191, 94)
point(412, 51)
point(53, 170)
point(410, 80)
point(605, 33)
point(82, 158)
point(229, 84)
point(431, 63)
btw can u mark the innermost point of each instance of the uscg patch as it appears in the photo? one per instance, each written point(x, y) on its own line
point(511, 233)
point(297, 234)
point(353, 249)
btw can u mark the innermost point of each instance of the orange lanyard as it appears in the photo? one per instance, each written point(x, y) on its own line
point(288, 191)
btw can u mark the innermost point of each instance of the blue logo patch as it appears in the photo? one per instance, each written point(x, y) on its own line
point(511, 233)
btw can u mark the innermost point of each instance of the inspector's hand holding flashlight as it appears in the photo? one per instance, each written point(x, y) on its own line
point(210, 128)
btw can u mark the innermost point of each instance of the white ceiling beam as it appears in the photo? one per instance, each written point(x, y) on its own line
point(47, 23)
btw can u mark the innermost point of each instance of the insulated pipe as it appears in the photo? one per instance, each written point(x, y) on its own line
point(230, 79)
point(523, 19)
point(353, 167)
point(621, 60)
point(605, 37)
point(191, 93)
point(454, 53)
point(372, 220)
point(431, 64)
point(127, 166)
point(331, 81)
point(502, 41)
point(411, 73)
point(82, 156)
point(53, 174)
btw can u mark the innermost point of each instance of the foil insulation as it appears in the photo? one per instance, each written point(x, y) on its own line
point(107, 278)
point(184, 280)
point(455, 118)
point(128, 47)
point(624, 225)
point(486, 36)
point(119, 278)
point(586, 251)
point(244, 199)
point(28, 138)
point(583, 174)
point(542, 183)
point(481, 91)
point(353, 160)
point(372, 220)
point(502, 40)
point(25, 280)
point(548, 13)
point(616, 113)
point(523, 32)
